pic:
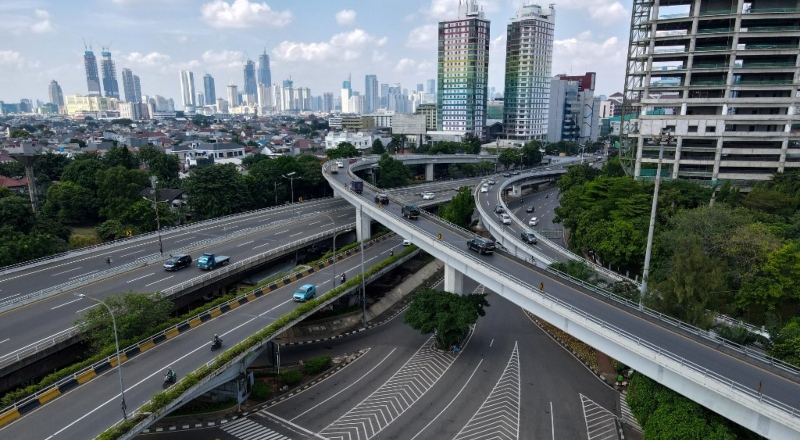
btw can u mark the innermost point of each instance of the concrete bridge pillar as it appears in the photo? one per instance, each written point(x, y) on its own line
point(453, 280)
point(516, 190)
point(429, 172)
point(363, 221)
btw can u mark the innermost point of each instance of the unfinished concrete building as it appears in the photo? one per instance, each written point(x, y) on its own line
point(715, 83)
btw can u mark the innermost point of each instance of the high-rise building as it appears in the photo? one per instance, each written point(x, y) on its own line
point(128, 87)
point(371, 98)
point(110, 84)
point(92, 75)
point(420, 87)
point(233, 95)
point(574, 111)
point(720, 96)
point(200, 100)
point(431, 86)
point(222, 105)
point(137, 89)
point(463, 71)
point(347, 92)
point(529, 59)
point(327, 102)
point(208, 89)
point(250, 89)
point(55, 94)
point(187, 90)
point(264, 73)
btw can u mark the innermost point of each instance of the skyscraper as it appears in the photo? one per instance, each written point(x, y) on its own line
point(250, 90)
point(384, 95)
point(431, 86)
point(463, 71)
point(200, 100)
point(327, 102)
point(264, 74)
point(233, 95)
point(347, 92)
point(371, 98)
point(209, 89)
point(128, 87)
point(92, 75)
point(529, 59)
point(110, 84)
point(56, 96)
point(187, 90)
point(137, 89)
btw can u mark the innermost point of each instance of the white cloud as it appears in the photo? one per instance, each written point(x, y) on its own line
point(42, 24)
point(602, 12)
point(423, 37)
point(347, 46)
point(406, 65)
point(584, 54)
point(448, 9)
point(346, 17)
point(151, 59)
point(243, 14)
point(11, 59)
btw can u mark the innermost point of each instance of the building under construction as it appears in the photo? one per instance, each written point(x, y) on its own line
point(715, 83)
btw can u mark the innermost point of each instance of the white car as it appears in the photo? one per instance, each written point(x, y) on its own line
point(339, 164)
point(427, 195)
point(485, 188)
point(406, 242)
point(533, 221)
point(505, 219)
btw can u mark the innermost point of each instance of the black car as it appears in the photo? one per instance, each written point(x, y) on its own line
point(529, 209)
point(498, 209)
point(481, 245)
point(178, 261)
point(528, 237)
point(506, 174)
point(382, 199)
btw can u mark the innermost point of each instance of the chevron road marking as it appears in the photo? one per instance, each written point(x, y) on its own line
point(627, 415)
point(600, 423)
point(498, 417)
point(246, 429)
point(394, 397)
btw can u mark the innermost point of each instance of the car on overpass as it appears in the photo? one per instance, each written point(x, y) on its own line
point(177, 262)
point(381, 199)
point(533, 221)
point(529, 237)
point(498, 209)
point(491, 182)
point(484, 188)
point(305, 293)
point(481, 245)
point(529, 209)
point(427, 195)
point(505, 219)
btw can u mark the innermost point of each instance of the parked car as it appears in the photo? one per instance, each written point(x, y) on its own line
point(481, 245)
point(533, 221)
point(505, 219)
point(498, 209)
point(529, 209)
point(529, 237)
point(305, 293)
point(381, 199)
point(427, 195)
point(177, 262)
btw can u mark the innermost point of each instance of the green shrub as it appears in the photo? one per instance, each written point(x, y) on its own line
point(317, 365)
point(291, 377)
point(261, 391)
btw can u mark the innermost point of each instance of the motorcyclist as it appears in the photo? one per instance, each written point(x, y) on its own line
point(217, 341)
point(343, 277)
point(171, 376)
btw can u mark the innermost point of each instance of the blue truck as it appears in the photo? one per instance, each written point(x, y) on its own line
point(356, 186)
point(212, 261)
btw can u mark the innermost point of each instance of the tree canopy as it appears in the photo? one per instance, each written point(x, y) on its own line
point(447, 315)
point(392, 172)
point(216, 191)
point(459, 210)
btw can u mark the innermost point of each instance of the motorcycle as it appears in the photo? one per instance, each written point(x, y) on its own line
point(216, 344)
point(343, 278)
point(169, 380)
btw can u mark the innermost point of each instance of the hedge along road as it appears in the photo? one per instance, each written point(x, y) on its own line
point(99, 398)
point(37, 321)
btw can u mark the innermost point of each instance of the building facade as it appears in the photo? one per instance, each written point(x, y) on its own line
point(250, 89)
point(109, 69)
point(264, 72)
point(371, 97)
point(92, 75)
point(463, 71)
point(529, 59)
point(715, 83)
point(187, 90)
point(209, 90)
point(129, 87)
point(55, 94)
point(574, 111)
point(346, 93)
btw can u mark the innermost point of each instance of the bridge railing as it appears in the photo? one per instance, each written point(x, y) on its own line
point(679, 364)
point(29, 350)
point(140, 262)
point(141, 237)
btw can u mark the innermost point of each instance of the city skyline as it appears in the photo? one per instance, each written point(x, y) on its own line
point(215, 36)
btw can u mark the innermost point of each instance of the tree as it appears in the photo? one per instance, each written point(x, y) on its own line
point(393, 173)
point(215, 191)
point(253, 159)
point(83, 171)
point(774, 285)
point(136, 314)
point(264, 181)
point(68, 202)
point(20, 133)
point(111, 230)
point(786, 343)
point(49, 167)
point(122, 121)
point(17, 247)
point(471, 144)
point(577, 175)
point(459, 210)
point(377, 147)
point(12, 169)
point(118, 188)
point(396, 144)
point(16, 212)
point(344, 149)
point(509, 157)
point(165, 167)
point(447, 315)
point(140, 217)
point(120, 156)
point(47, 226)
point(531, 153)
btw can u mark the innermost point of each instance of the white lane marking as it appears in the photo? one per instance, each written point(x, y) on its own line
point(163, 279)
point(79, 267)
point(261, 245)
point(132, 253)
point(281, 232)
point(552, 423)
point(11, 296)
point(68, 302)
point(139, 278)
point(87, 308)
point(264, 413)
point(279, 305)
point(345, 388)
point(245, 243)
point(490, 344)
point(318, 221)
point(5, 340)
point(451, 401)
point(83, 274)
point(292, 235)
point(183, 239)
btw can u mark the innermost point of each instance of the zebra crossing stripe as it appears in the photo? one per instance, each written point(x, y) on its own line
point(600, 422)
point(626, 414)
point(246, 429)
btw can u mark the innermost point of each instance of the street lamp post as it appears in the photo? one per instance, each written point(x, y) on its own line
point(116, 343)
point(291, 182)
point(333, 279)
point(158, 222)
point(662, 141)
point(363, 284)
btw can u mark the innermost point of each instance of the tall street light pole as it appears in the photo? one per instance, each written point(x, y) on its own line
point(158, 222)
point(291, 182)
point(662, 140)
point(333, 280)
point(363, 283)
point(116, 343)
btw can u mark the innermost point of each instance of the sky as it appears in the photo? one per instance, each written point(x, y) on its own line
point(316, 43)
